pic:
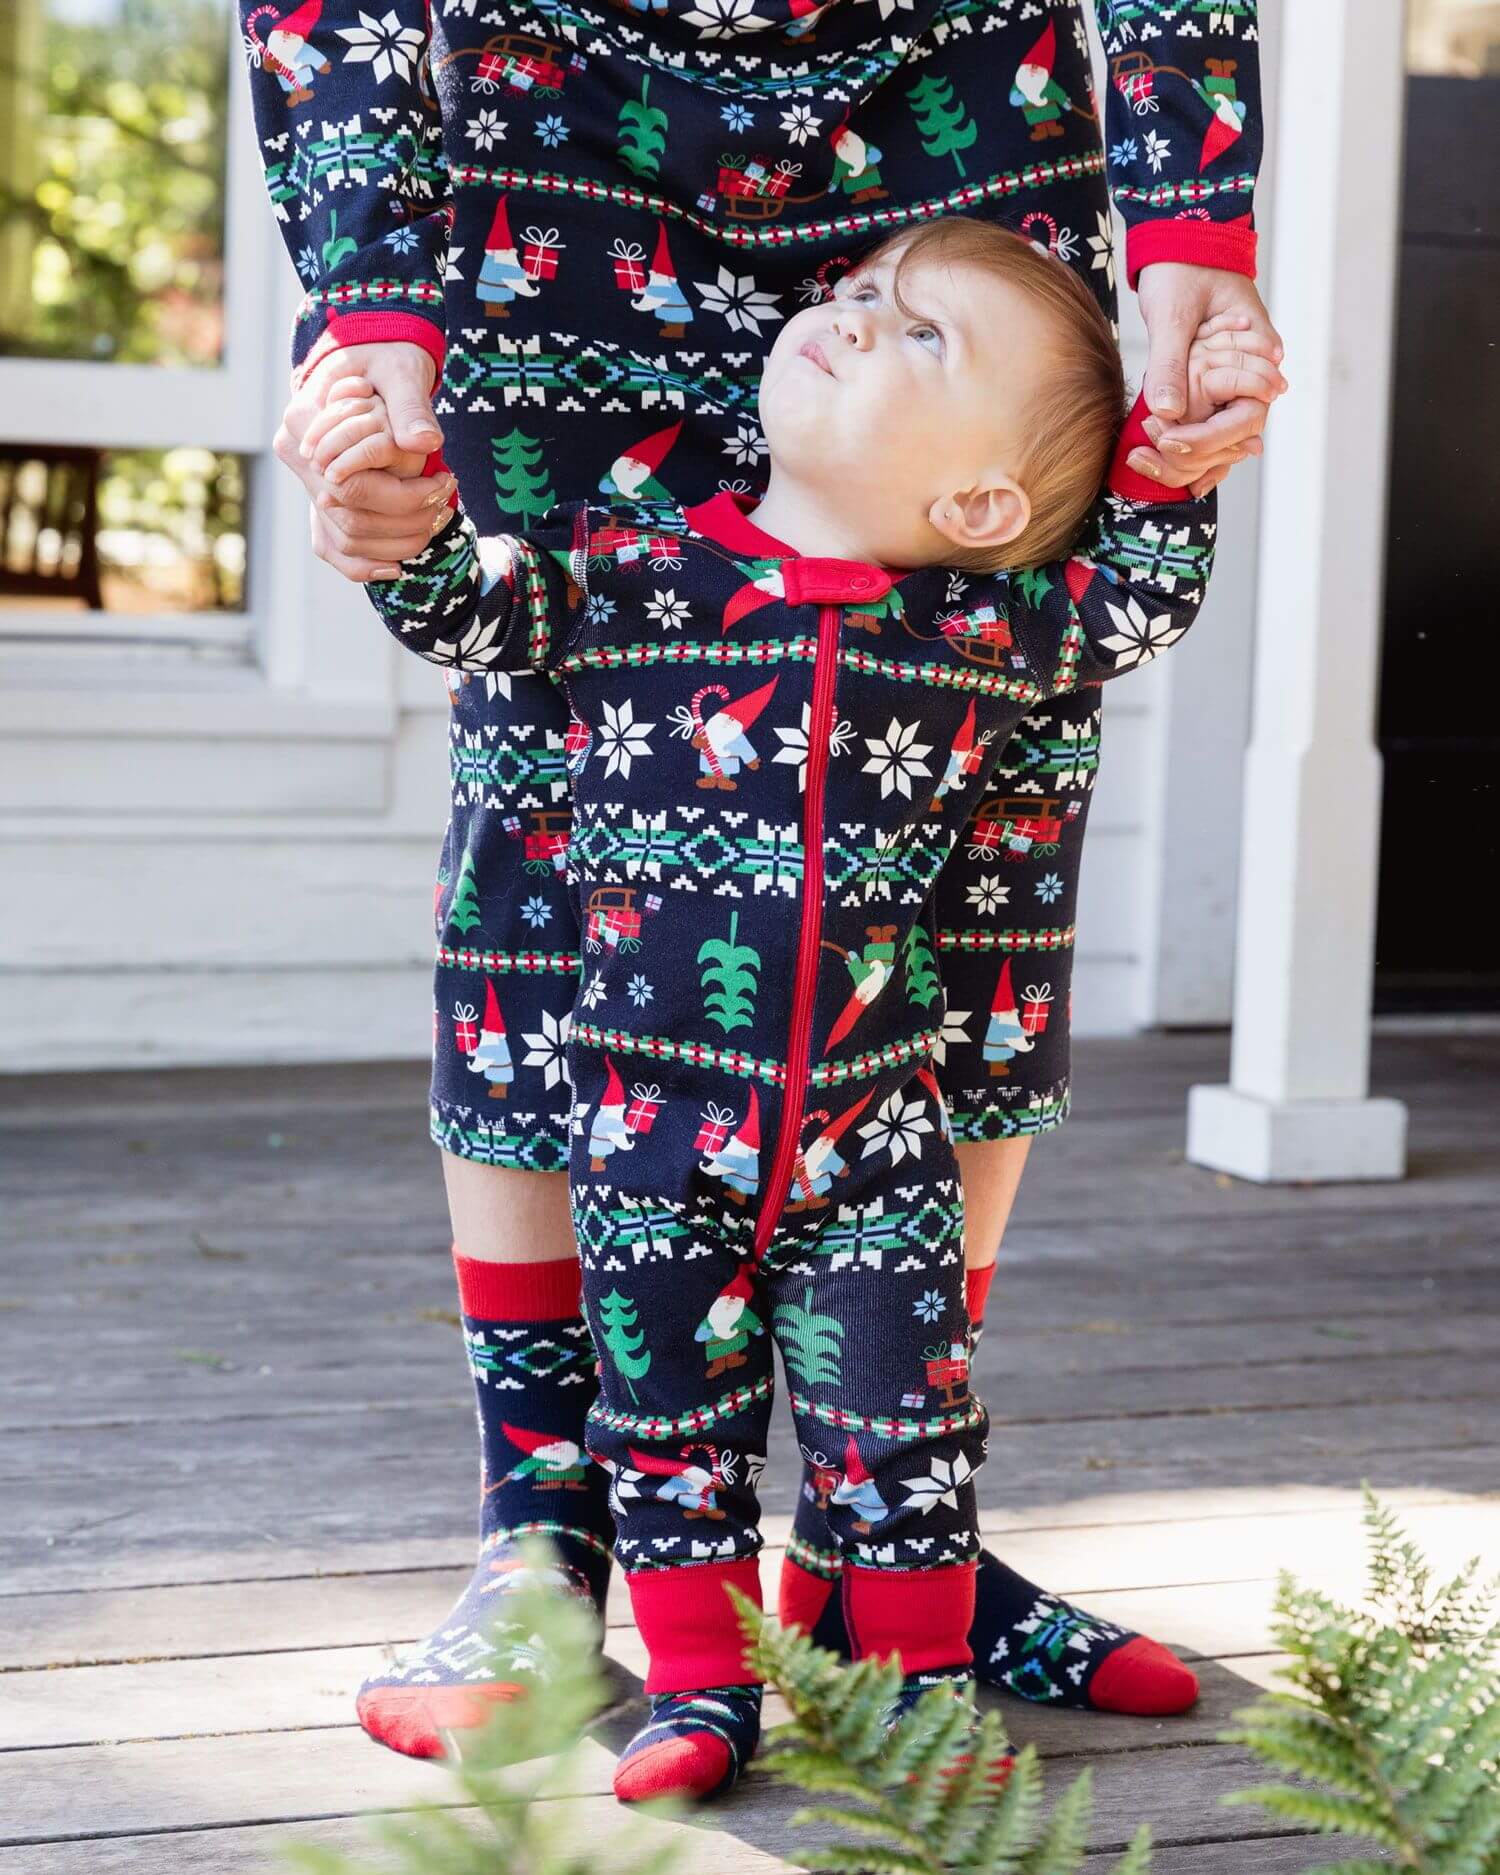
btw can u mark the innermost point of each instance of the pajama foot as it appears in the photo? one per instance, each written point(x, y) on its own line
point(695, 1745)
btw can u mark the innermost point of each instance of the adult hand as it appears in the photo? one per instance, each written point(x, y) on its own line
point(1200, 432)
point(373, 517)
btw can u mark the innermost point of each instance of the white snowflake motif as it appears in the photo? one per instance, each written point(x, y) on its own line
point(385, 45)
point(639, 991)
point(746, 445)
point(799, 124)
point(953, 1034)
point(941, 1486)
point(897, 758)
point(621, 738)
point(667, 610)
point(1102, 247)
point(593, 992)
point(988, 895)
point(545, 1050)
point(794, 743)
point(929, 1305)
point(897, 1129)
point(486, 130)
point(722, 19)
point(1158, 149)
point(741, 301)
point(1137, 639)
point(888, 7)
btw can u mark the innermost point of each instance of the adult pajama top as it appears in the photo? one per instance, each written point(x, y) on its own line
point(596, 218)
point(767, 783)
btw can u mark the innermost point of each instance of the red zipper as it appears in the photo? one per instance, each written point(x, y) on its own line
point(805, 982)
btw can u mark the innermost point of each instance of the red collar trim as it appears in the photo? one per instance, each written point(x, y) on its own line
point(723, 519)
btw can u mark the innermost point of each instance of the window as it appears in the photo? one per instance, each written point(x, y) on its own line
point(1454, 38)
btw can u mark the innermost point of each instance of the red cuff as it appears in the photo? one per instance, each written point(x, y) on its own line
point(378, 328)
point(1123, 480)
point(977, 1292)
point(924, 1615)
point(688, 1623)
point(1228, 245)
point(519, 1292)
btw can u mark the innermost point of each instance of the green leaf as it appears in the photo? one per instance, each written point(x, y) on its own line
point(731, 978)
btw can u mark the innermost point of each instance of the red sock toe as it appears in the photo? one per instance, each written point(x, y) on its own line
point(414, 1719)
point(801, 1597)
point(693, 1765)
point(1143, 1678)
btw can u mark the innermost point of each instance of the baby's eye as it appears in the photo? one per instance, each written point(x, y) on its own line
point(929, 336)
point(862, 291)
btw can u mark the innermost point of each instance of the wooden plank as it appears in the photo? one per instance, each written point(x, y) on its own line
point(1221, 1570)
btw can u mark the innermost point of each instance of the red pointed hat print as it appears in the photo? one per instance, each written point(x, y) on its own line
point(302, 20)
point(652, 451)
point(742, 1289)
point(1217, 139)
point(657, 1467)
point(1044, 52)
point(614, 1089)
point(499, 236)
point(744, 710)
point(854, 1465)
point(661, 260)
point(493, 1020)
point(748, 1132)
point(531, 1442)
point(1005, 996)
point(963, 742)
point(835, 1129)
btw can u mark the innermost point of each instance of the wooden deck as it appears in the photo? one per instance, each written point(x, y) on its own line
point(238, 1446)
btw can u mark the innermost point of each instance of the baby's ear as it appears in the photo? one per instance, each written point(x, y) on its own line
point(989, 516)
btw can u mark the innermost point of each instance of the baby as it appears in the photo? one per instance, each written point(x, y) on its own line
point(768, 777)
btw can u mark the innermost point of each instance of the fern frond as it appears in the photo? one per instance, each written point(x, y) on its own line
point(1329, 1816)
point(1137, 1858)
point(1066, 1835)
point(1011, 1824)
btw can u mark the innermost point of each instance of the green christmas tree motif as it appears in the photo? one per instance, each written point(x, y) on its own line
point(336, 249)
point(1033, 584)
point(463, 913)
point(521, 482)
point(624, 1338)
point(923, 985)
point(643, 134)
point(729, 981)
point(811, 1344)
point(944, 125)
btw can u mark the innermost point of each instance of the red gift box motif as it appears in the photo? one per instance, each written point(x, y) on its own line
point(465, 1028)
point(1036, 1007)
point(780, 180)
point(714, 1128)
point(948, 1370)
point(629, 259)
point(540, 252)
point(645, 1104)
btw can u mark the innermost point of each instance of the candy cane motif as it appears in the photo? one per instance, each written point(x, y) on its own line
point(700, 733)
point(256, 46)
point(801, 1183)
point(1038, 219)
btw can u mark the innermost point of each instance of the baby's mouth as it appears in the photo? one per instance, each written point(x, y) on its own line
point(811, 350)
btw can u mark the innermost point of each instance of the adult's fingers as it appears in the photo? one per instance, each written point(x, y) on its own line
point(1235, 423)
point(373, 539)
point(1172, 331)
point(381, 492)
point(402, 374)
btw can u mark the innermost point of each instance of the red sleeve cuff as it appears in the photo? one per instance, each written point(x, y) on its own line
point(1229, 245)
point(377, 328)
point(1123, 480)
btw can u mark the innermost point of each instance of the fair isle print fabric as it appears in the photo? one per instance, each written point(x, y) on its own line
point(595, 217)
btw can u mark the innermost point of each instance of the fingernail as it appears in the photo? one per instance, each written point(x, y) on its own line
point(1141, 463)
point(1177, 449)
point(439, 521)
point(427, 433)
point(441, 494)
point(386, 572)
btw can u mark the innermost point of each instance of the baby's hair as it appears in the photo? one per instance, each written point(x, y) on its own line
point(1076, 412)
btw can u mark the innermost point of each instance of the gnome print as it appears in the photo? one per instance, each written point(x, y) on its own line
point(1220, 93)
point(502, 278)
point(692, 1486)
point(552, 1463)
point(820, 1162)
point(728, 1326)
point(857, 1492)
point(661, 294)
point(855, 166)
point(1037, 92)
point(721, 738)
point(633, 474)
point(491, 1055)
point(608, 1132)
point(1006, 1037)
point(964, 759)
point(737, 1161)
point(285, 51)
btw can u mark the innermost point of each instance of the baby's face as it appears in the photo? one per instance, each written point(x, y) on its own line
point(884, 413)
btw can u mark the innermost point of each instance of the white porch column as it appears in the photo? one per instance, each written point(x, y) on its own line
point(1297, 1104)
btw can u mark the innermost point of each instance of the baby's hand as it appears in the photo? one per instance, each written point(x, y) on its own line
point(1227, 360)
point(353, 432)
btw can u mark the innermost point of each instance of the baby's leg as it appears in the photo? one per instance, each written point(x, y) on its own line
point(532, 1363)
point(684, 1401)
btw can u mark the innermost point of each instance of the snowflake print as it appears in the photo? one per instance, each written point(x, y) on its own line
point(639, 991)
point(928, 1306)
point(746, 445)
point(593, 992)
point(1102, 247)
point(545, 1050)
point(988, 895)
point(897, 1129)
point(486, 130)
point(888, 7)
point(667, 610)
point(799, 124)
point(722, 19)
point(1049, 888)
point(794, 742)
point(403, 240)
point(385, 45)
point(1124, 153)
point(941, 1486)
point(622, 739)
point(536, 912)
point(449, 265)
point(598, 610)
point(1158, 149)
point(737, 117)
point(897, 758)
point(552, 131)
point(1137, 639)
point(954, 1033)
point(741, 301)
point(307, 264)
